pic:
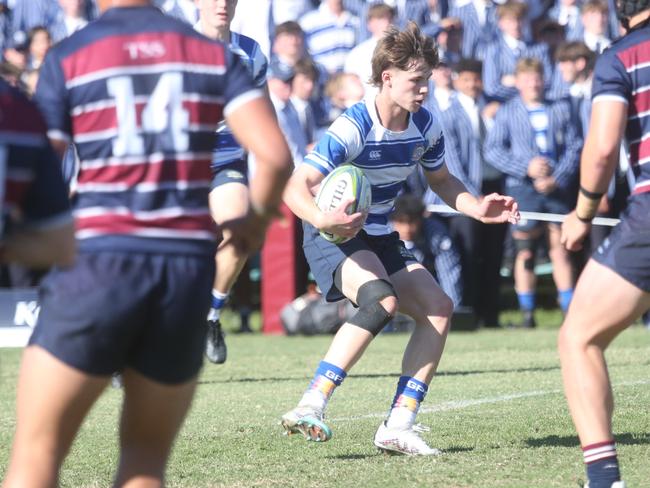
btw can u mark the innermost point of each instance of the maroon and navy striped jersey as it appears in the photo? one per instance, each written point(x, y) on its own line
point(32, 191)
point(623, 73)
point(140, 94)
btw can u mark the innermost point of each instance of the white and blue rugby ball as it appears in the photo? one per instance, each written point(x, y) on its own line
point(343, 183)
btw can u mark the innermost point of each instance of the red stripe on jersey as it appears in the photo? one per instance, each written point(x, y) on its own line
point(148, 172)
point(642, 189)
point(640, 103)
point(635, 55)
point(20, 116)
point(639, 151)
point(127, 224)
point(142, 49)
point(106, 118)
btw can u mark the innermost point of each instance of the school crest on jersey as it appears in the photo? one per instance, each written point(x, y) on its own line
point(418, 152)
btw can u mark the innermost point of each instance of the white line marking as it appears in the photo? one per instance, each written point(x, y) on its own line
point(457, 405)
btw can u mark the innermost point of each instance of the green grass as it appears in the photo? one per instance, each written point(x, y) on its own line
point(495, 409)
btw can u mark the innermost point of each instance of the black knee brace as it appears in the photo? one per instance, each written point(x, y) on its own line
point(529, 244)
point(371, 315)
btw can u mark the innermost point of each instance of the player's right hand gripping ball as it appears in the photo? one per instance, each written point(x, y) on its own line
point(344, 183)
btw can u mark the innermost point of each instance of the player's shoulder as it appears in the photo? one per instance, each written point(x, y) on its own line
point(426, 122)
point(359, 115)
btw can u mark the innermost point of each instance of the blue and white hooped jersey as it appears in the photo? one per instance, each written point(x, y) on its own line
point(386, 157)
point(227, 150)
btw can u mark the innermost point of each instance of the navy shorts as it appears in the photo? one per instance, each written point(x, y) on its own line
point(235, 172)
point(530, 200)
point(324, 258)
point(117, 309)
point(627, 249)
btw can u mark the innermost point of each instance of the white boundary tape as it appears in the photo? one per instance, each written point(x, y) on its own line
point(544, 217)
point(460, 404)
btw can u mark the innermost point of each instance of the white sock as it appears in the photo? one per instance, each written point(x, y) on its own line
point(401, 418)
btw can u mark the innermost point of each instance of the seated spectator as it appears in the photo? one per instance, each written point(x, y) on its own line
point(330, 34)
point(480, 245)
point(594, 15)
point(535, 143)
point(380, 16)
point(427, 238)
point(479, 21)
point(503, 53)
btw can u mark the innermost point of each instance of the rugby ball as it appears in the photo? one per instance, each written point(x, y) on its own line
point(343, 183)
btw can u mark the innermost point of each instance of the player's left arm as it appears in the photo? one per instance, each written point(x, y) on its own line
point(489, 209)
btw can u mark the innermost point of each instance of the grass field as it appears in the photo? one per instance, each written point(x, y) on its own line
point(495, 409)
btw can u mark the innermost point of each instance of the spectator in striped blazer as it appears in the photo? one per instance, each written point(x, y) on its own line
point(72, 16)
point(481, 246)
point(479, 26)
point(330, 34)
point(535, 143)
point(498, 74)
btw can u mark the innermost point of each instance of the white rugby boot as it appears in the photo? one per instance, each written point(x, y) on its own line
point(308, 421)
point(403, 440)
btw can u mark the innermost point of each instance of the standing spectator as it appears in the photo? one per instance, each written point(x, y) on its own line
point(280, 78)
point(380, 17)
point(481, 246)
point(594, 20)
point(286, 10)
point(71, 17)
point(614, 288)
point(535, 143)
point(441, 89)
point(330, 34)
point(303, 87)
point(479, 21)
point(136, 299)
point(503, 54)
point(567, 14)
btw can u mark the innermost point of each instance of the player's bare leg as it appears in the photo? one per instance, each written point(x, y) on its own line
point(227, 202)
point(52, 401)
point(421, 298)
point(589, 327)
point(152, 414)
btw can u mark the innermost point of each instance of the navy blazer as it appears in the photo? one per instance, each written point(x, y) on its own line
point(510, 145)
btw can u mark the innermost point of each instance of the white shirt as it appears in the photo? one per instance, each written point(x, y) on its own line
point(72, 25)
point(471, 108)
point(597, 43)
point(359, 61)
point(481, 8)
point(253, 19)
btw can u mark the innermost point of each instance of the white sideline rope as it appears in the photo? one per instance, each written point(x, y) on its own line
point(544, 217)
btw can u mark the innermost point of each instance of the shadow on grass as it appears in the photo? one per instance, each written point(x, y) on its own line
point(572, 441)
point(380, 375)
point(456, 450)
point(351, 457)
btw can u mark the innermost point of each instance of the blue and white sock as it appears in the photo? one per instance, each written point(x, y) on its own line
point(602, 464)
point(218, 302)
point(327, 377)
point(406, 403)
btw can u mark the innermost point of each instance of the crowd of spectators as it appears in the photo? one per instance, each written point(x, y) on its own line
point(512, 92)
